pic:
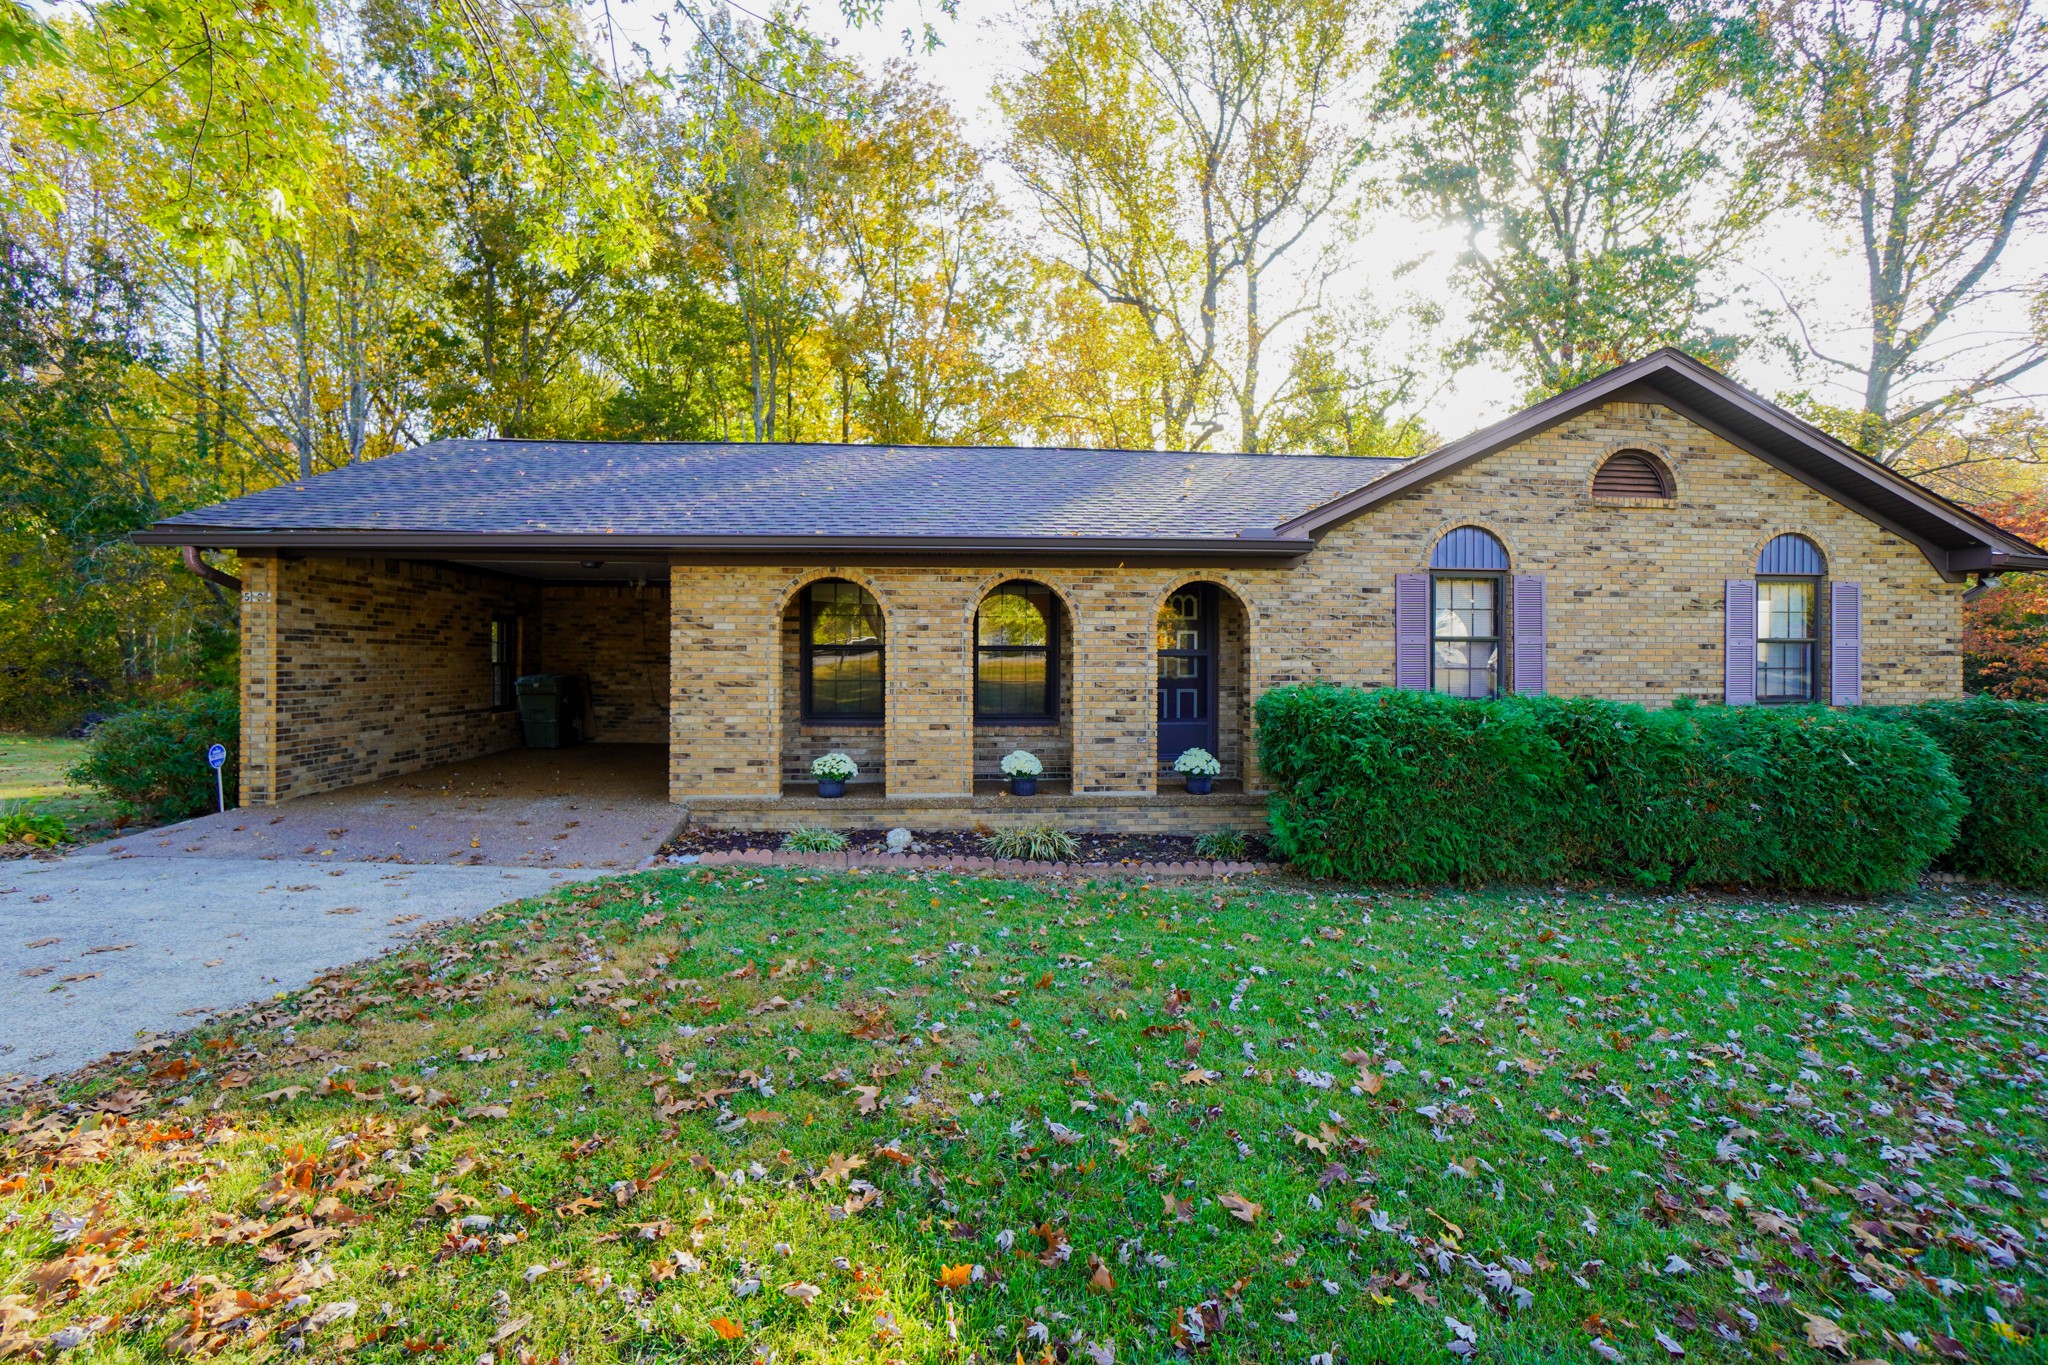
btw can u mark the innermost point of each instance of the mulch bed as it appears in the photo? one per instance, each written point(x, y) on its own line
point(960, 843)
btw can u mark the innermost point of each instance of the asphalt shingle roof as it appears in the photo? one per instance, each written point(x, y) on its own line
point(699, 490)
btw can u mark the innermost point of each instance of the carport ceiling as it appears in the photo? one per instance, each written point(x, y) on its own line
point(573, 570)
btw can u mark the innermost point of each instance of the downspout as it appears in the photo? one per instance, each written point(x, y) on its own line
point(208, 572)
point(1985, 583)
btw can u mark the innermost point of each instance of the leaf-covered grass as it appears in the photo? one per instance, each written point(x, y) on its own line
point(882, 1116)
point(34, 773)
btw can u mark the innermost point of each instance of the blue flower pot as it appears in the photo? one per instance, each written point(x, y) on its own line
point(831, 786)
point(1199, 786)
point(1023, 786)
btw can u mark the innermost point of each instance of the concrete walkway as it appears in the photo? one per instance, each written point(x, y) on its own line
point(150, 933)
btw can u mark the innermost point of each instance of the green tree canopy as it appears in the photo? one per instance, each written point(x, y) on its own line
point(1596, 155)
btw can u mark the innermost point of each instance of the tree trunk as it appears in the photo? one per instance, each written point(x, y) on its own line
point(302, 343)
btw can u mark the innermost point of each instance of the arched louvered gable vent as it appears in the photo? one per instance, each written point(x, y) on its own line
point(1631, 474)
point(1792, 557)
point(1468, 547)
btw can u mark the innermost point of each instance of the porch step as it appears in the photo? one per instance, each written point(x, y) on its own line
point(1170, 812)
point(1002, 867)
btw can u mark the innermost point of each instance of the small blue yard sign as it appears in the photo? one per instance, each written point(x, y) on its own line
point(217, 758)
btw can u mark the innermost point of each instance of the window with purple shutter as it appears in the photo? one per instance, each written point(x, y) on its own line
point(1411, 631)
point(1845, 643)
point(1529, 635)
point(1738, 687)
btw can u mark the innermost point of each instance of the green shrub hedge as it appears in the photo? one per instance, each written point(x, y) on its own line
point(1412, 786)
point(151, 761)
point(1415, 787)
point(1999, 750)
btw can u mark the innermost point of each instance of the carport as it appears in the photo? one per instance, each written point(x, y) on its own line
point(361, 668)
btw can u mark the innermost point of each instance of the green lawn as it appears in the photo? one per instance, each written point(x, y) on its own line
point(33, 768)
point(739, 1115)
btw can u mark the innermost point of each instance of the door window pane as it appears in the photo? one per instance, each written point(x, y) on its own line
point(1180, 622)
point(1185, 641)
point(1183, 689)
point(503, 663)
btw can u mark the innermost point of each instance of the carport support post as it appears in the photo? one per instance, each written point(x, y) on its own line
point(261, 588)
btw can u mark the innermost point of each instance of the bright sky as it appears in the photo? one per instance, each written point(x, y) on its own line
point(1798, 255)
point(1798, 258)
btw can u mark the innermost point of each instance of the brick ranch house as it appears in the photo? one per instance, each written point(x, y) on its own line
point(1658, 532)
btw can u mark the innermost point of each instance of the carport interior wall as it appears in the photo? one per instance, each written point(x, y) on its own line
point(357, 669)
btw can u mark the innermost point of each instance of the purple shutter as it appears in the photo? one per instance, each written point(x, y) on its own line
point(1411, 631)
point(1529, 635)
point(1845, 644)
point(1739, 653)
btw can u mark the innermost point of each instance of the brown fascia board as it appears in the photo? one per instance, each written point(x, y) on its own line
point(1638, 380)
point(1264, 545)
point(1988, 561)
point(1844, 456)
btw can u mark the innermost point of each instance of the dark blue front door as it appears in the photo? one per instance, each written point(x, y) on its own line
point(1187, 672)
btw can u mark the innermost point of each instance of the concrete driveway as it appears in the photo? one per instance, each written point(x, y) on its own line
point(152, 933)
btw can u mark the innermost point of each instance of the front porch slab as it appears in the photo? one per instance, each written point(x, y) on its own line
point(594, 806)
point(991, 807)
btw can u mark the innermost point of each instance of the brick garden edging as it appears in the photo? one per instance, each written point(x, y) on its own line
point(1002, 867)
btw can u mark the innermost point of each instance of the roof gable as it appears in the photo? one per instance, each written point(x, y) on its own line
point(1955, 540)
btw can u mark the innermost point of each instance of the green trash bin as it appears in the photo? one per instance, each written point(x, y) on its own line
point(550, 709)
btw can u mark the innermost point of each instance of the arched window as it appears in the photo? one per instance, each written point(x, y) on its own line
point(1468, 571)
point(842, 654)
point(1631, 474)
point(1788, 575)
point(1016, 653)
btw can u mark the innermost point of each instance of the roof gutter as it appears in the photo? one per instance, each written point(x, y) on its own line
point(1985, 560)
point(585, 545)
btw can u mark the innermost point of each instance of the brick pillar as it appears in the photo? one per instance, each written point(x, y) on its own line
point(724, 683)
point(930, 736)
point(260, 780)
point(1115, 721)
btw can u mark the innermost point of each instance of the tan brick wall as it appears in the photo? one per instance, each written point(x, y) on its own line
point(1634, 612)
point(732, 682)
point(1635, 592)
point(358, 669)
point(616, 635)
